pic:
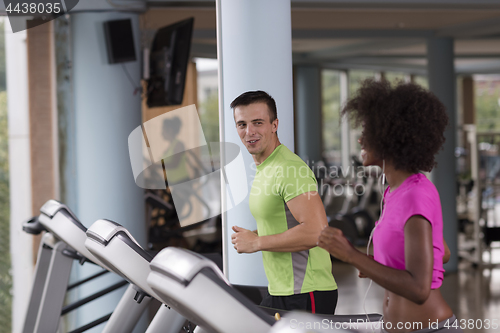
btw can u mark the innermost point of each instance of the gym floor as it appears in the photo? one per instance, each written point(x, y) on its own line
point(472, 293)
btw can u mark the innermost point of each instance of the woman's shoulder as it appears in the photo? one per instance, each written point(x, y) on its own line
point(418, 190)
point(422, 184)
point(421, 193)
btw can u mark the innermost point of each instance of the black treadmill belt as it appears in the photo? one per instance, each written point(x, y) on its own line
point(333, 318)
point(237, 295)
point(374, 317)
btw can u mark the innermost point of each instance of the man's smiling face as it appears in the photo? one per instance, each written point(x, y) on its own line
point(255, 129)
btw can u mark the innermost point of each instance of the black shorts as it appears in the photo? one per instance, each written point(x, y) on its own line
point(323, 302)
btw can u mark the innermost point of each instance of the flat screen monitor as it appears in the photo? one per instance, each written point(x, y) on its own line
point(168, 62)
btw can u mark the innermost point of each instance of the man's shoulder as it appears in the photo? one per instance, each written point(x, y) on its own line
point(290, 166)
point(286, 157)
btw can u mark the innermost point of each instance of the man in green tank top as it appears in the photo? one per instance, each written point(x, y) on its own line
point(288, 211)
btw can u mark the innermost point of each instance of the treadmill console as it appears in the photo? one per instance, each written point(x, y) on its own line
point(102, 231)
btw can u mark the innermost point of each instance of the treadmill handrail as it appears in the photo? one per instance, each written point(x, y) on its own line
point(255, 309)
point(183, 265)
point(51, 207)
point(103, 230)
point(130, 242)
point(73, 219)
point(33, 226)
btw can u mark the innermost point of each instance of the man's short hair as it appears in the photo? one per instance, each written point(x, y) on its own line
point(259, 96)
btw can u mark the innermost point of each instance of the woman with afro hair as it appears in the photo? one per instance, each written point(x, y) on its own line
point(403, 129)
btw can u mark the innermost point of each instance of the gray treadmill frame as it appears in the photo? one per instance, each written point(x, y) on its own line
point(52, 273)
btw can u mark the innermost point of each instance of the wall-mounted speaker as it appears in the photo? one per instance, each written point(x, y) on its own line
point(119, 41)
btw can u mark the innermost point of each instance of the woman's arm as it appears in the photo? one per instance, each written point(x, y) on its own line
point(413, 283)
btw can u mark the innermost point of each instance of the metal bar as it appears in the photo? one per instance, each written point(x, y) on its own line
point(360, 33)
point(54, 290)
point(42, 268)
point(127, 313)
point(91, 324)
point(79, 283)
point(92, 297)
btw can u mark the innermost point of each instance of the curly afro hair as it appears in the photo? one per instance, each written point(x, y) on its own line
point(403, 123)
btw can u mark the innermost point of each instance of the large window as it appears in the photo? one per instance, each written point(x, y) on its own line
point(355, 79)
point(487, 102)
point(208, 100)
point(331, 108)
point(357, 76)
point(421, 80)
point(394, 77)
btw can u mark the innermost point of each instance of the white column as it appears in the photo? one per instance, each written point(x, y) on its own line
point(19, 172)
point(106, 111)
point(442, 82)
point(254, 46)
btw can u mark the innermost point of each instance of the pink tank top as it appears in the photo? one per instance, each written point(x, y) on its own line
point(415, 196)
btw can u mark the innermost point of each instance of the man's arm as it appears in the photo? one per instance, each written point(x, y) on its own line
point(307, 209)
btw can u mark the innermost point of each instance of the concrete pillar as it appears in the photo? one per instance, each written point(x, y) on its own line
point(43, 117)
point(19, 172)
point(254, 46)
point(308, 113)
point(66, 123)
point(469, 110)
point(442, 82)
point(106, 110)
